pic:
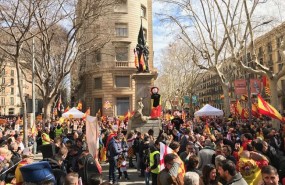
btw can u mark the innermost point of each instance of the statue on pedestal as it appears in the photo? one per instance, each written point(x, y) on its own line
point(141, 53)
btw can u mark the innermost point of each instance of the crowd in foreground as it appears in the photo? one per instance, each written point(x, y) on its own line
point(206, 151)
point(209, 151)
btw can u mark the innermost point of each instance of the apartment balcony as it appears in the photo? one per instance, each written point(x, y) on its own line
point(119, 64)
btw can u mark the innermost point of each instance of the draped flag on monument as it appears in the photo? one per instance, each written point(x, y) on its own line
point(265, 108)
point(92, 137)
point(136, 58)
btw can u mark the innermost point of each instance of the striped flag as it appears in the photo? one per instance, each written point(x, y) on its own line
point(136, 59)
point(265, 108)
point(66, 109)
point(254, 110)
point(92, 138)
point(241, 111)
point(266, 85)
point(164, 150)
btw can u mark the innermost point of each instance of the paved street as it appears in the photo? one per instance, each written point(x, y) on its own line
point(133, 175)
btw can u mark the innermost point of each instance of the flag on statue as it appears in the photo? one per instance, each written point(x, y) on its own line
point(92, 137)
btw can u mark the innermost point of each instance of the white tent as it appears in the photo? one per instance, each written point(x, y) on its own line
point(208, 110)
point(73, 113)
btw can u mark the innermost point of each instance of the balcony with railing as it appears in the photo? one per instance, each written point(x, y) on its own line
point(123, 64)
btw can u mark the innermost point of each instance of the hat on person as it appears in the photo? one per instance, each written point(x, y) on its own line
point(37, 172)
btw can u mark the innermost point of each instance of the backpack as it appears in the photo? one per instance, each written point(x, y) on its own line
point(91, 168)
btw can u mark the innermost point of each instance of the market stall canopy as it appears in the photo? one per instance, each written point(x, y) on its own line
point(208, 110)
point(73, 113)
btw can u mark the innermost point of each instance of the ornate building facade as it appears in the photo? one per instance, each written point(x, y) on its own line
point(105, 76)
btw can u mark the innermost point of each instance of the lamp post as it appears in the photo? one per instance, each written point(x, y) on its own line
point(248, 75)
point(33, 86)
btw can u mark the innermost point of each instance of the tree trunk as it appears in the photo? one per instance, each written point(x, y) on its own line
point(226, 100)
point(274, 99)
point(47, 108)
point(23, 100)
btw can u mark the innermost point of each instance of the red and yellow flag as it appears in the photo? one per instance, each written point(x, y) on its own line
point(207, 129)
point(241, 111)
point(266, 85)
point(79, 105)
point(142, 63)
point(66, 109)
point(265, 108)
point(136, 58)
point(254, 110)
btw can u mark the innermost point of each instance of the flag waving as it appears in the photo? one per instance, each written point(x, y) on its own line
point(164, 150)
point(59, 103)
point(267, 109)
point(79, 105)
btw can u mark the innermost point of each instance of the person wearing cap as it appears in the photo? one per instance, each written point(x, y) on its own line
point(27, 158)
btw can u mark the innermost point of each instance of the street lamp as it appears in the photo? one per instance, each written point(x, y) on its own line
point(248, 76)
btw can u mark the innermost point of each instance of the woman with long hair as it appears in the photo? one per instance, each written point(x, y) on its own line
point(209, 176)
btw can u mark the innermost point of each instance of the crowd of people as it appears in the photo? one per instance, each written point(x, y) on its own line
point(205, 151)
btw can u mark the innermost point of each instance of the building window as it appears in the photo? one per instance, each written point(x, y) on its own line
point(122, 53)
point(269, 47)
point(98, 83)
point(98, 105)
point(270, 61)
point(12, 81)
point(121, 29)
point(121, 6)
point(12, 72)
point(123, 105)
point(12, 90)
point(2, 101)
point(3, 80)
point(11, 111)
point(278, 41)
point(122, 81)
point(3, 72)
point(280, 66)
point(271, 69)
point(143, 11)
point(11, 100)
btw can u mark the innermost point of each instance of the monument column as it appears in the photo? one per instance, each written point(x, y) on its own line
point(143, 83)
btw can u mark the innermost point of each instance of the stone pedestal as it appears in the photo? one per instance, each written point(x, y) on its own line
point(144, 126)
point(143, 83)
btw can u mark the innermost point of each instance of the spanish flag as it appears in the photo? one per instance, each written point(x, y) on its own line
point(207, 129)
point(142, 63)
point(241, 111)
point(265, 108)
point(79, 105)
point(254, 110)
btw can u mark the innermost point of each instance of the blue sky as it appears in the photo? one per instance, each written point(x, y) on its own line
point(162, 36)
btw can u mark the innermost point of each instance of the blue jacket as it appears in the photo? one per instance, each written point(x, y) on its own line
point(114, 149)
